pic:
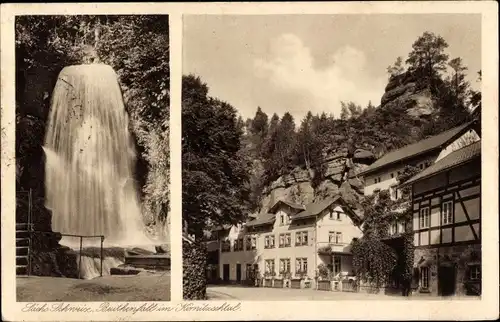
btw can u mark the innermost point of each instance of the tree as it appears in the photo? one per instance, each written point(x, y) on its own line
point(459, 85)
point(258, 130)
point(215, 173)
point(427, 58)
point(344, 113)
point(397, 68)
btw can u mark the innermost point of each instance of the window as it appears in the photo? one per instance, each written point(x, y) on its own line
point(282, 219)
point(248, 243)
point(226, 246)
point(393, 229)
point(475, 272)
point(335, 215)
point(285, 265)
point(424, 217)
point(270, 266)
point(285, 240)
point(336, 265)
point(238, 245)
point(268, 241)
point(301, 265)
point(298, 238)
point(447, 213)
point(421, 166)
point(424, 277)
point(335, 237)
point(392, 175)
point(377, 180)
point(301, 238)
point(254, 243)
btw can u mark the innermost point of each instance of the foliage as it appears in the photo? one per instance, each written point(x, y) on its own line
point(323, 271)
point(194, 256)
point(215, 172)
point(397, 68)
point(373, 260)
point(427, 58)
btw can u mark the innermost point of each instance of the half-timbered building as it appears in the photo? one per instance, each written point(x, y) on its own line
point(446, 201)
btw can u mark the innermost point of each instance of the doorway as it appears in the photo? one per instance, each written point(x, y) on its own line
point(446, 280)
point(238, 273)
point(225, 272)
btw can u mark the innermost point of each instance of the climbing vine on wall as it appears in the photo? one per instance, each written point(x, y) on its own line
point(377, 259)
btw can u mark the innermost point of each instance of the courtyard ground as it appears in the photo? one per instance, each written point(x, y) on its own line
point(153, 287)
point(285, 294)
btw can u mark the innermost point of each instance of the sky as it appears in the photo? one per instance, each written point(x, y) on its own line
point(298, 63)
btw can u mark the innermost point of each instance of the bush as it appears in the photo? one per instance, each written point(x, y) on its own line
point(194, 265)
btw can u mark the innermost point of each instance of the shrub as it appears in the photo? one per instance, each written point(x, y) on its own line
point(194, 265)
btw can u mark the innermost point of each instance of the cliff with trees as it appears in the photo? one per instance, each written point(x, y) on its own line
point(322, 155)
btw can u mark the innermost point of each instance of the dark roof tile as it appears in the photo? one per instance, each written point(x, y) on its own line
point(455, 158)
point(421, 147)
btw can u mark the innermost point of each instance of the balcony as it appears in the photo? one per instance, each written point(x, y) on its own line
point(327, 248)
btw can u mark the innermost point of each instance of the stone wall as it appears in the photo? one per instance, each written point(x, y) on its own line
point(457, 256)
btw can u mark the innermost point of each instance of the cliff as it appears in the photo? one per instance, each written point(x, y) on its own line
point(341, 167)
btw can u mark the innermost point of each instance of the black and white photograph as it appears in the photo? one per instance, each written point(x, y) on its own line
point(331, 157)
point(92, 158)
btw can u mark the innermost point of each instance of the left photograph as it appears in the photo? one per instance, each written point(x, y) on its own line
point(92, 158)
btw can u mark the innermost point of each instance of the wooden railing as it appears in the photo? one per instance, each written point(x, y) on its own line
point(31, 231)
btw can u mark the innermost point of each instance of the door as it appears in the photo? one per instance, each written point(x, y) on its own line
point(238, 272)
point(446, 280)
point(225, 272)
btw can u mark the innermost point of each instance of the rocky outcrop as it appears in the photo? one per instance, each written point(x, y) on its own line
point(403, 91)
point(340, 176)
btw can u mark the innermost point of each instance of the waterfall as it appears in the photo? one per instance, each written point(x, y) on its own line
point(90, 158)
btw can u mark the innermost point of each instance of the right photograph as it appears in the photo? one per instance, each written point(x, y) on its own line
point(331, 157)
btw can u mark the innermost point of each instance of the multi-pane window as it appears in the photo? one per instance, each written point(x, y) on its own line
point(335, 237)
point(285, 266)
point(424, 218)
point(226, 246)
point(269, 241)
point(377, 180)
point(337, 265)
point(475, 272)
point(285, 240)
point(238, 245)
point(424, 277)
point(447, 213)
point(269, 265)
point(301, 265)
point(301, 238)
point(251, 243)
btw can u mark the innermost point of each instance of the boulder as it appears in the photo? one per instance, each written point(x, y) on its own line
point(363, 156)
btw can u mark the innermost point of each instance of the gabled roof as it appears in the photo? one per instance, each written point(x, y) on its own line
point(460, 156)
point(421, 147)
point(263, 219)
point(315, 208)
point(276, 205)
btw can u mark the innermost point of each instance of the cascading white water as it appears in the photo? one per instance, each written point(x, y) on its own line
point(89, 161)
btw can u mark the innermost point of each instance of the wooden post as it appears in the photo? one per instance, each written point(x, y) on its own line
point(29, 231)
point(102, 240)
point(80, 260)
